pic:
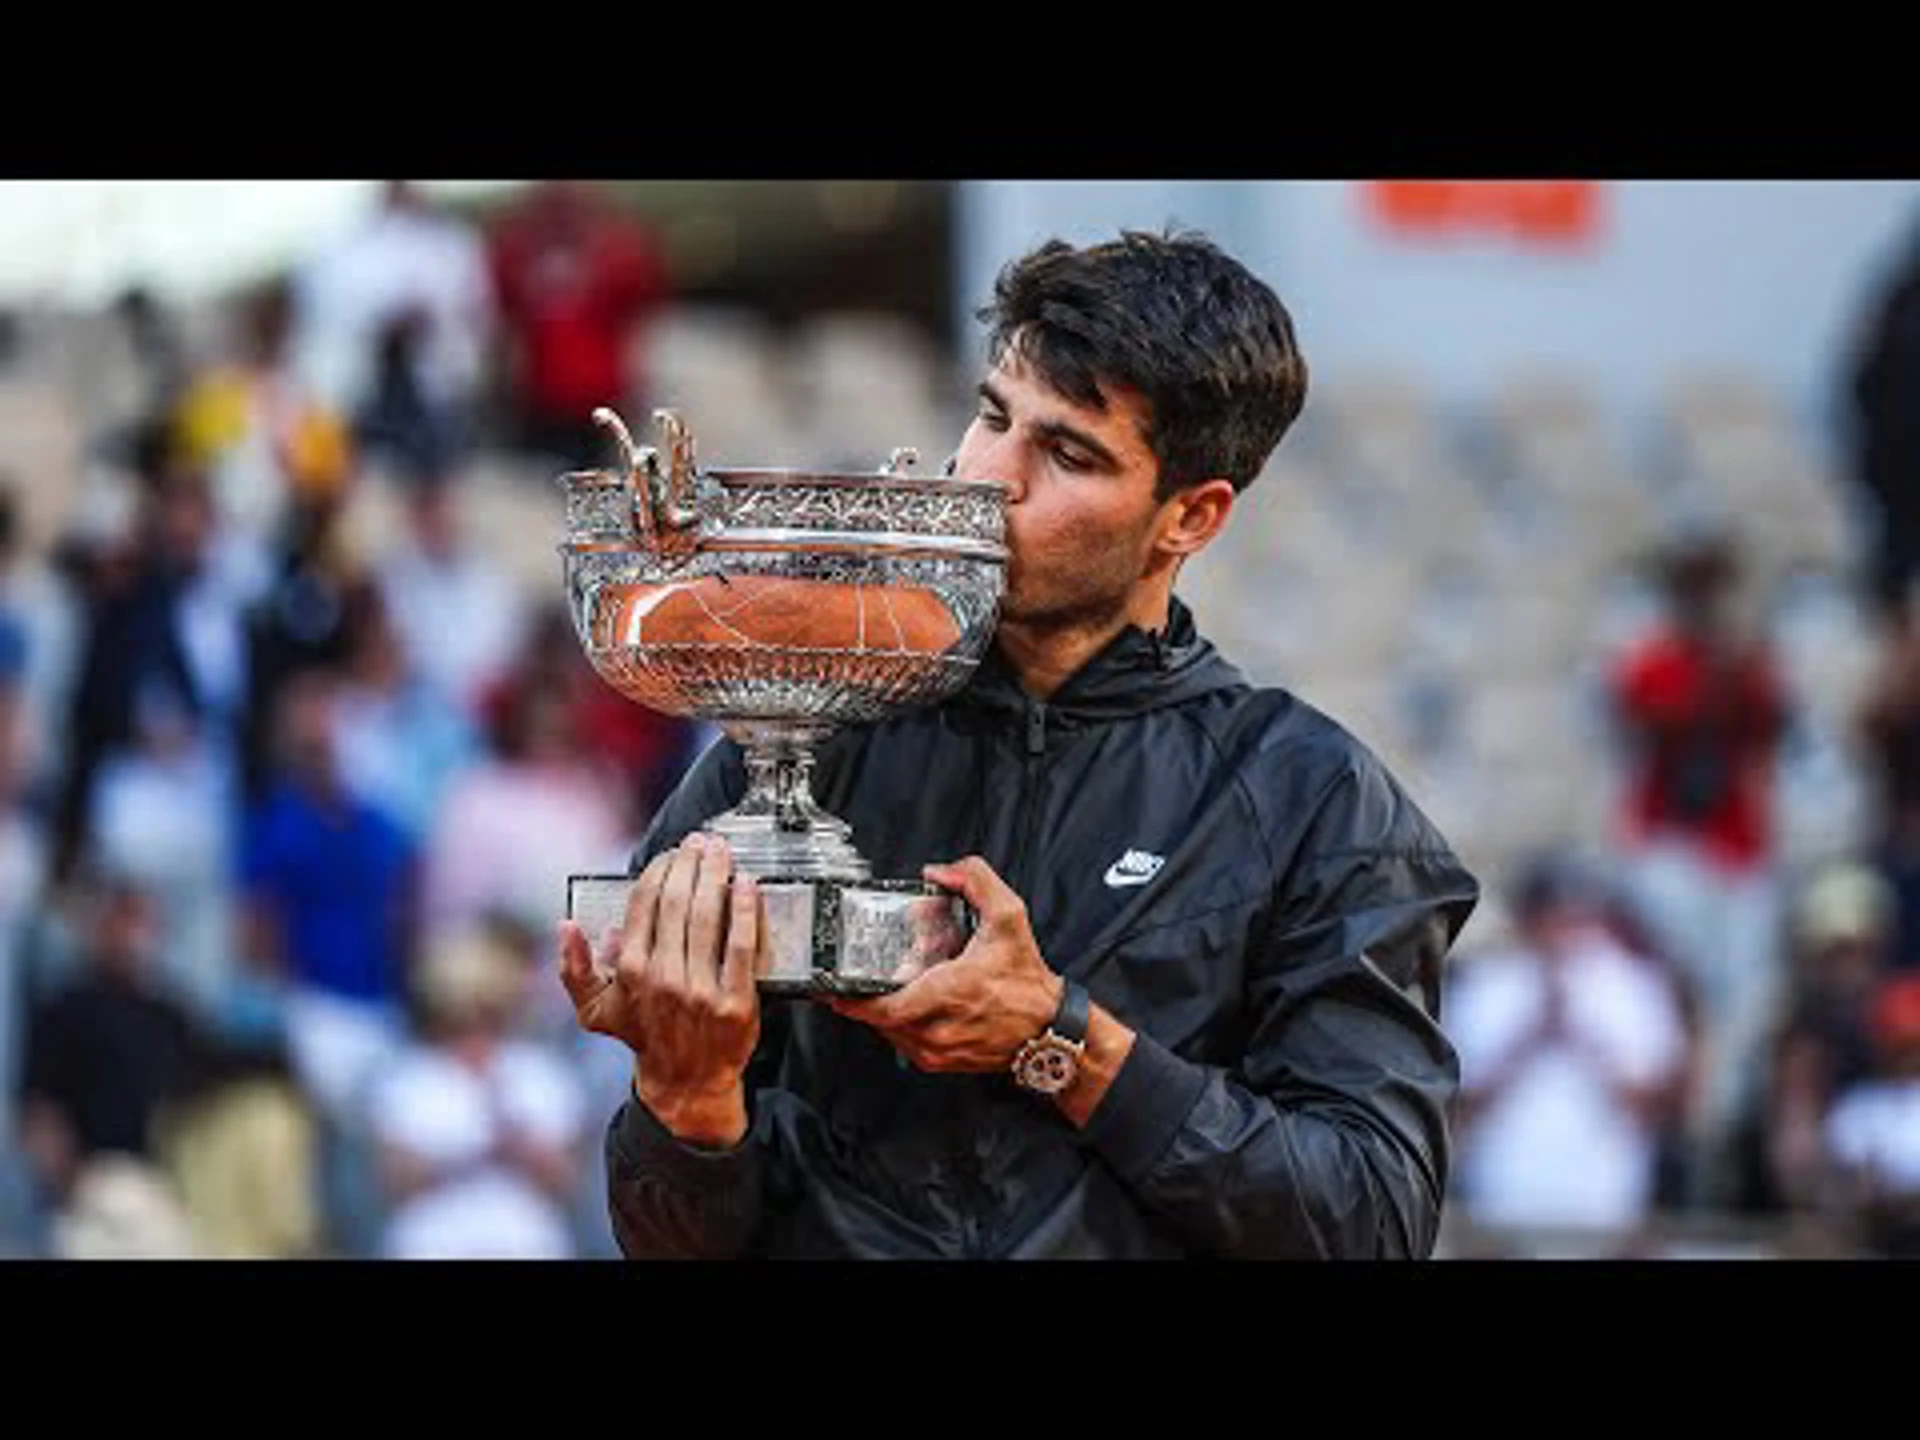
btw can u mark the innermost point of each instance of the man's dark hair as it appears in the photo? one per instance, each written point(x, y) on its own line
point(1173, 317)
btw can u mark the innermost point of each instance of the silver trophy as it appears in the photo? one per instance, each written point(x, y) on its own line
point(781, 605)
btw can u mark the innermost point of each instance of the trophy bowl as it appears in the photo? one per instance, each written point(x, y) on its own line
point(781, 605)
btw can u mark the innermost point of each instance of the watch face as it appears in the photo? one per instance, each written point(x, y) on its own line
point(1048, 1066)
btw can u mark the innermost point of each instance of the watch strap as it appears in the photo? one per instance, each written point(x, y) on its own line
point(1070, 1021)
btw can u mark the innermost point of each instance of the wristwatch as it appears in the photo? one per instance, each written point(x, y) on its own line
point(1048, 1063)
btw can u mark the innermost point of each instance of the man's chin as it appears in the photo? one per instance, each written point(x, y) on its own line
point(1022, 614)
point(1036, 620)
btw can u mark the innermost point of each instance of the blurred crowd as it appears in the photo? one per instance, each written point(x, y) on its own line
point(1695, 1036)
point(293, 766)
point(297, 749)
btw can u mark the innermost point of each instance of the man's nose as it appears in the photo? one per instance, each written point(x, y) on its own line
point(1002, 462)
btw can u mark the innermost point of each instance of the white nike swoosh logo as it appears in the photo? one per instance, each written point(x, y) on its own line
point(1117, 876)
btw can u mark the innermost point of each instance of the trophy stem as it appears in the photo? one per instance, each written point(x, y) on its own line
point(778, 829)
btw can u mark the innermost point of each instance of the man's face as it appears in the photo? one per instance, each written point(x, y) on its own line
point(1081, 513)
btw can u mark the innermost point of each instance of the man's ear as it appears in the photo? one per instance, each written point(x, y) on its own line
point(1195, 515)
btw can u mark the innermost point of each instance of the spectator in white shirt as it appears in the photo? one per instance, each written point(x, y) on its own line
point(408, 255)
point(480, 1130)
point(459, 616)
point(164, 811)
point(1574, 1058)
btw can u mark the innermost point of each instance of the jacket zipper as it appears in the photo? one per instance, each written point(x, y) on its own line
point(1036, 749)
point(973, 1239)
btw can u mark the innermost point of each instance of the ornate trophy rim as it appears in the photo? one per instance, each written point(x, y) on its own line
point(686, 508)
point(768, 475)
point(738, 476)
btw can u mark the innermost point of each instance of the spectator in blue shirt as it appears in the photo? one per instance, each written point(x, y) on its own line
point(327, 882)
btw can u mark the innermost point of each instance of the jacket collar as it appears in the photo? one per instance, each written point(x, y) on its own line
point(1136, 671)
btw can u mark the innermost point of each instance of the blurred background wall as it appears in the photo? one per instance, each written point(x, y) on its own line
point(1632, 281)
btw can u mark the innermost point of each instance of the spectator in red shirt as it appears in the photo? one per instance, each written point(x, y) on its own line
point(1706, 710)
point(1703, 709)
point(575, 279)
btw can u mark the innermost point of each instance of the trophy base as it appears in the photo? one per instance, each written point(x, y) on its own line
point(825, 937)
point(777, 831)
point(819, 851)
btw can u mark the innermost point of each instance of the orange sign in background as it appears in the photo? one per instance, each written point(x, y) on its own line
point(1554, 213)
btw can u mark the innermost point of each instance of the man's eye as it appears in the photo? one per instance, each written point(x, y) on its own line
point(1070, 459)
point(992, 419)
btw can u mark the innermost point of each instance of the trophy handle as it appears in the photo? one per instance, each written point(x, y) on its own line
point(676, 497)
point(666, 518)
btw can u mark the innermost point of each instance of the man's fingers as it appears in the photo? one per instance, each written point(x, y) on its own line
point(867, 1010)
point(669, 961)
point(747, 952)
point(707, 916)
point(582, 978)
point(643, 906)
point(990, 896)
point(914, 1002)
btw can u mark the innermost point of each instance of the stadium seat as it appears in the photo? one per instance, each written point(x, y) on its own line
point(866, 384)
point(1537, 725)
point(720, 368)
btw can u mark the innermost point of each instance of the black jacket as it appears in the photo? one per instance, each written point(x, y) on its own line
point(1287, 1095)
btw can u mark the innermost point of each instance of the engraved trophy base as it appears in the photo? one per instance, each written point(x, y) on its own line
point(833, 928)
point(825, 937)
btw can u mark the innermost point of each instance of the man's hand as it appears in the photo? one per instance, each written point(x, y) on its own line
point(975, 1011)
point(677, 985)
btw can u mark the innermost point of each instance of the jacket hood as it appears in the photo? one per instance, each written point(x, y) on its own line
point(1138, 670)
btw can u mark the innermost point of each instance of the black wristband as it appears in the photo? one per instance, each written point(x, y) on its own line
point(1070, 1021)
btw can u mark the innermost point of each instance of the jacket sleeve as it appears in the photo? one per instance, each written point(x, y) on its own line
point(667, 1199)
point(1330, 1138)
